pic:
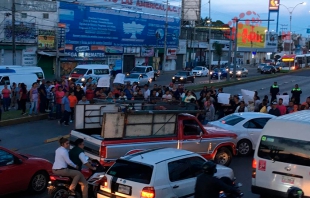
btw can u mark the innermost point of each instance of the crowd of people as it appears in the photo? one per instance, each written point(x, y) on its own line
point(58, 99)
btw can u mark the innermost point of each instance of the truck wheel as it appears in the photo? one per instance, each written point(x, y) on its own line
point(223, 156)
point(244, 147)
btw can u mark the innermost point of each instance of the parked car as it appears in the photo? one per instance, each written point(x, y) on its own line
point(242, 72)
point(22, 172)
point(183, 77)
point(268, 70)
point(148, 70)
point(231, 67)
point(248, 126)
point(91, 70)
point(164, 172)
point(219, 72)
point(261, 66)
point(141, 79)
point(269, 62)
point(200, 71)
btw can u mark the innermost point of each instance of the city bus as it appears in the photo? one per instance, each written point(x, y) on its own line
point(295, 61)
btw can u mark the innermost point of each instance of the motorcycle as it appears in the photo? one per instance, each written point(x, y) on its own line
point(232, 183)
point(58, 186)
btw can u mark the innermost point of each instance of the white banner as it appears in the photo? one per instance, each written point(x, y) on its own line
point(119, 78)
point(104, 82)
point(286, 99)
point(29, 56)
point(223, 98)
point(247, 95)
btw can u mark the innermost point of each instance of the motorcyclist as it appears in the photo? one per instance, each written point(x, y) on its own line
point(208, 186)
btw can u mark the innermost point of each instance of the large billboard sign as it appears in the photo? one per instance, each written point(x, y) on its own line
point(274, 5)
point(144, 6)
point(251, 36)
point(191, 10)
point(86, 26)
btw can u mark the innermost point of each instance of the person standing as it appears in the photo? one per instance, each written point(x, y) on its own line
point(274, 110)
point(59, 94)
point(274, 91)
point(14, 92)
point(73, 101)
point(33, 97)
point(296, 92)
point(66, 110)
point(281, 107)
point(6, 98)
point(43, 96)
point(23, 98)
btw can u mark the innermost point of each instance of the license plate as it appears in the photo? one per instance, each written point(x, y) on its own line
point(288, 180)
point(176, 80)
point(123, 189)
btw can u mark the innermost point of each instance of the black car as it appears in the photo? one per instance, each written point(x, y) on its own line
point(183, 77)
point(268, 70)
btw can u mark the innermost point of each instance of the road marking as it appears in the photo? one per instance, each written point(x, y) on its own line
point(56, 138)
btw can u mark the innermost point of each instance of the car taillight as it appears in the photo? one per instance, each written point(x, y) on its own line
point(254, 165)
point(104, 182)
point(148, 192)
point(52, 178)
point(102, 154)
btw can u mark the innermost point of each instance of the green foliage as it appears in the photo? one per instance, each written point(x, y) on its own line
point(218, 50)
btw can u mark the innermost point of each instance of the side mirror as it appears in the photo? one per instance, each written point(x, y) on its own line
point(17, 161)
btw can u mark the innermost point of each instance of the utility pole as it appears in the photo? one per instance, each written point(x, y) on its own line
point(210, 45)
point(13, 33)
point(229, 53)
point(166, 32)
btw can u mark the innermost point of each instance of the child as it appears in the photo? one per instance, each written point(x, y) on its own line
point(73, 101)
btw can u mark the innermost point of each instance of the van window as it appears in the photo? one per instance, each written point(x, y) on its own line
point(231, 120)
point(5, 80)
point(39, 75)
point(101, 71)
point(285, 150)
point(79, 71)
point(89, 72)
point(191, 127)
point(257, 123)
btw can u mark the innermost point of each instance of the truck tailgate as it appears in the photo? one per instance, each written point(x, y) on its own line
point(92, 143)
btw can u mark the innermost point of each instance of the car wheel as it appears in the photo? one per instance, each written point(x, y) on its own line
point(60, 192)
point(244, 147)
point(38, 182)
point(223, 156)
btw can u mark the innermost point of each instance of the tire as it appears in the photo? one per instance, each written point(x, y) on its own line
point(60, 192)
point(38, 182)
point(244, 147)
point(223, 156)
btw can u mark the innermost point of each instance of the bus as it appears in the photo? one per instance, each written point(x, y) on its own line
point(295, 61)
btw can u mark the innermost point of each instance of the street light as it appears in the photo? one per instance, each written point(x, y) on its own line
point(291, 10)
point(210, 45)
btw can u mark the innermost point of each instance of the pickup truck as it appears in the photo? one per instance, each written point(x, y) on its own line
point(122, 133)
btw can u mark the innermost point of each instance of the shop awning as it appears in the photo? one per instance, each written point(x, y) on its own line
point(52, 54)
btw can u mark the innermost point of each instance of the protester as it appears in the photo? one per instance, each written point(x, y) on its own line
point(281, 107)
point(6, 93)
point(73, 101)
point(241, 108)
point(274, 110)
point(23, 98)
point(83, 100)
point(33, 97)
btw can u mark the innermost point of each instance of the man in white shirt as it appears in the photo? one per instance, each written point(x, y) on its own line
point(147, 92)
point(60, 167)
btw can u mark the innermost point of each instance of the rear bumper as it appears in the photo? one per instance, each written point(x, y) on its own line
point(269, 192)
point(102, 194)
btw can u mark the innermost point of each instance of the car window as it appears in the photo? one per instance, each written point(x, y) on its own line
point(196, 165)
point(191, 127)
point(144, 76)
point(89, 72)
point(179, 170)
point(258, 123)
point(285, 150)
point(6, 158)
point(231, 120)
point(101, 71)
point(150, 68)
point(131, 171)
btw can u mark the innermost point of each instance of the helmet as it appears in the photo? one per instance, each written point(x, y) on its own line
point(294, 192)
point(209, 167)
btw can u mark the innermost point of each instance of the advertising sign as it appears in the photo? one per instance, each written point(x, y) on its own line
point(102, 26)
point(172, 53)
point(29, 56)
point(251, 36)
point(182, 47)
point(46, 42)
point(24, 32)
point(61, 36)
point(271, 40)
point(147, 51)
point(274, 5)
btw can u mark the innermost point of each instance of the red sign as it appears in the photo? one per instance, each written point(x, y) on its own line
point(262, 165)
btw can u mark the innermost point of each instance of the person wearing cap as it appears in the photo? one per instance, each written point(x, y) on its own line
point(274, 110)
point(296, 92)
point(274, 91)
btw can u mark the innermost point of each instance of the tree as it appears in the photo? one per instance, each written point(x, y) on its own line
point(218, 51)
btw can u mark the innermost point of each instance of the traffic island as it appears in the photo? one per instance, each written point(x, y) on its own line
point(9, 118)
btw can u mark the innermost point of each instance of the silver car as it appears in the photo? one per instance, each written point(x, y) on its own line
point(141, 79)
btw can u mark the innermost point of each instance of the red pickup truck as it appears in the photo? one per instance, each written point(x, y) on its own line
point(127, 133)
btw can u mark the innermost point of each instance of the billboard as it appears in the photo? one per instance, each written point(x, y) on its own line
point(191, 10)
point(274, 5)
point(251, 36)
point(271, 40)
point(24, 32)
point(87, 25)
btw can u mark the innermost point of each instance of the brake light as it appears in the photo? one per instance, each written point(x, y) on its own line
point(52, 178)
point(102, 154)
point(148, 192)
point(104, 182)
point(254, 165)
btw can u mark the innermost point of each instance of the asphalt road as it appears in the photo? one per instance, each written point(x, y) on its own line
point(29, 138)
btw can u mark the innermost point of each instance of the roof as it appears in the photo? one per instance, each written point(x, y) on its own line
point(155, 156)
point(300, 116)
point(254, 115)
point(93, 66)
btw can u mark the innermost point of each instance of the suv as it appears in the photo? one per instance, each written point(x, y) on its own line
point(164, 172)
point(148, 70)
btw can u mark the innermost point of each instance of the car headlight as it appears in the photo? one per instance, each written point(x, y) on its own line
point(239, 72)
point(69, 78)
point(181, 78)
point(220, 73)
point(230, 72)
point(173, 77)
point(211, 72)
point(83, 79)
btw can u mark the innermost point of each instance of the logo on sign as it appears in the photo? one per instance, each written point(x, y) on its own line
point(262, 165)
point(82, 48)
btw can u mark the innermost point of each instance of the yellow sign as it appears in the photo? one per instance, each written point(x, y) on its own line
point(274, 5)
point(251, 36)
point(46, 42)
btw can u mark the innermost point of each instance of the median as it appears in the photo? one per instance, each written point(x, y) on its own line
point(14, 117)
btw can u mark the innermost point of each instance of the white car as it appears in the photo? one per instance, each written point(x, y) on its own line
point(200, 71)
point(163, 172)
point(141, 79)
point(248, 126)
point(148, 70)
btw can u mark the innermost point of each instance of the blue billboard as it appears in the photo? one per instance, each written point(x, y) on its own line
point(89, 26)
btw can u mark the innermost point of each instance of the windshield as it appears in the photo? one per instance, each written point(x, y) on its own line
point(181, 74)
point(79, 71)
point(131, 171)
point(285, 150)
point(133, 76)
point(139, 69)
point(101, 71)
point(197, 68)
point(267, 67)
point(39, 75)
point(216, 70)
point(231, 120)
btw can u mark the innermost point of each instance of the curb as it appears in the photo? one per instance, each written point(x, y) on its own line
point(56, 138)
point(23, 120)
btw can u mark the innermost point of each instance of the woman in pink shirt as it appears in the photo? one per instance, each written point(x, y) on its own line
point(6, 98)
point(59, 94)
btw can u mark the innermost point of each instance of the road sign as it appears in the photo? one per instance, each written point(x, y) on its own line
point(308, 30)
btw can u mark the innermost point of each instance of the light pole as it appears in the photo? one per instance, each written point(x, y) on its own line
point(166, 32)
point(291, 10)
point(210, 45)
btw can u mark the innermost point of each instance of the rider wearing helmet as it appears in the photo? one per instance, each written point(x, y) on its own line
point(208, 186)
point(294, 192)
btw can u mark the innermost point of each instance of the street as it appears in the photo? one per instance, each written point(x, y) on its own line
point(29, 137)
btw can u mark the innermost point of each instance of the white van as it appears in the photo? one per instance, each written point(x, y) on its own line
point(282, 156)
point(10, 78)
point(91, 70)
point(23, 70)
